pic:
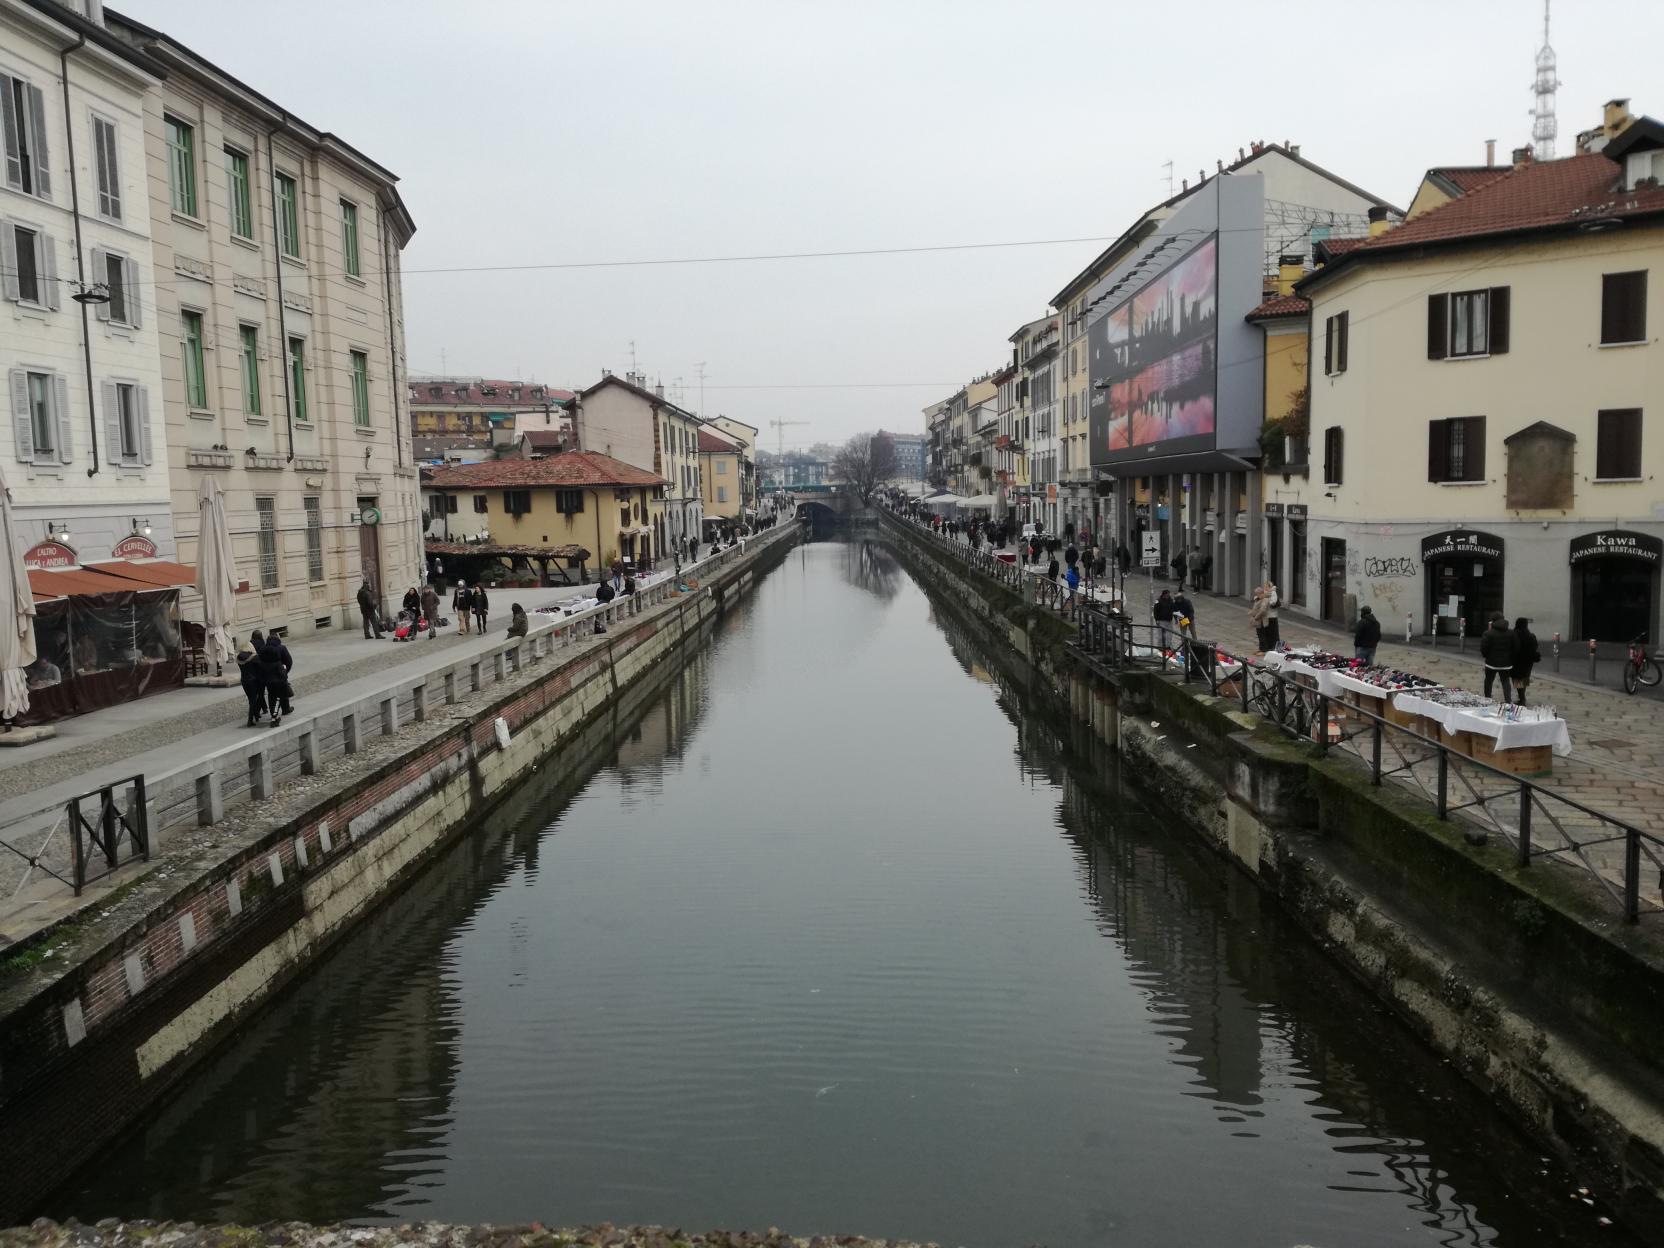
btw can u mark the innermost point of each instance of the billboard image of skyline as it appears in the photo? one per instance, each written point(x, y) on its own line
point(1153, 360)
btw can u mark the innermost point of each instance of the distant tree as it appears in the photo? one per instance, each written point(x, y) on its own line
point(864, 463)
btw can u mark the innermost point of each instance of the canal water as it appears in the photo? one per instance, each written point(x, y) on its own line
point(844, 937)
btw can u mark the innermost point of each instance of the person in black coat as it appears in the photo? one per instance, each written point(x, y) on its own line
point(1123, 556)
point(482, 607)
point(1164, 607)
point(1527, 655)
point(274, 661)
point(254, 685)
point(1366, 636)
point(1499, 650)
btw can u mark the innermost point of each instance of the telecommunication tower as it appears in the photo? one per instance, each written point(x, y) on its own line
point(1543, 125)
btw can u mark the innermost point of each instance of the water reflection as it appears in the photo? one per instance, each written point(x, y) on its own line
point(829, 936)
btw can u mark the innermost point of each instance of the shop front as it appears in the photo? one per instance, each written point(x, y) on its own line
point(1463, 571)
point(1615, 585)
point(105, 632)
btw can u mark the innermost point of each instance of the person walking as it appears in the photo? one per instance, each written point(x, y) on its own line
point(1366, 636)
point(1164, 608)
point(367, 609)
point(1072, 579)
point(253, 683)
point(1123, 557)
point(1204, 572)
point(518, 624)
point(1071, 555)
point(1498, 648)
point(1273, 631)
point(482, 607)
point(1179, 565)
point(275, 663)
point(1256, 617)
point(1184, 613)
point(462, 603)
point(1527, 655)
point(430, 608)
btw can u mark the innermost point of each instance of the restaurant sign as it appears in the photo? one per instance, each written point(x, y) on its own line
point(134, 547)
point(45, 555)
point(1617, 543)
point(1469, 543)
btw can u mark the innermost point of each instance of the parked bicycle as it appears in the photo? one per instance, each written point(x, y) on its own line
point(1641, 668)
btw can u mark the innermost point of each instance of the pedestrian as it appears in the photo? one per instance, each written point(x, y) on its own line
point(462, 602)
point(1072, 579)
point(254, 685)
point(1051, 570)
point(693, 549)
point(1499, 649)
point(1204, 571)
point(1366, 637)
point(1527, 655)
point(1179, 565)
point(1273, 600)
point(1256, 617)
point(1184, 614)
point(367, 609)
point(1071, 555)
point(604, 594)
point(1164, 607)
point(275, 663)
point(482, 607)
point(1123, 557)
point(412, 602)
point(430, 608)
point(517, 621)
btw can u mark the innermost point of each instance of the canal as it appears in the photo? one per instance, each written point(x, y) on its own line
point(845, 936)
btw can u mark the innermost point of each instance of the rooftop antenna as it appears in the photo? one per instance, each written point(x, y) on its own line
point(633, 368)
point(1169, 167)
point(701, 367)
point(1543, 125)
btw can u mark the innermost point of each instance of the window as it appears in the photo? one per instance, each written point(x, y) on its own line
point(1336, 332)
point(40, 416)
point(449, 500)
point(288, 216)
point(722, 493)
point(31, 268)
point(266, 509)
point(349, 238)
point(1334, 452)
point(109, 178)
point(125, 414)
point(115, 280)
point(196, 379)
point(569, 502)
point(1623, 307)
point(1618, 445)
point(23, 110)
point(1468, 323)
point(1456, 449)
point(314, 538)
point(360, 389)
point(722, 467)
point(242, 204)
point(480, 504)
point(181, 165)
point(249, 337)
point(297, 379)
point(517, 502)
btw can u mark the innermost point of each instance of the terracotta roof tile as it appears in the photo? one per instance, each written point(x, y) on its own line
point(710, 444)
point(1280, 306)
point(1468, 178)
point(474, 393)
point(546, 439)
point(574, 468)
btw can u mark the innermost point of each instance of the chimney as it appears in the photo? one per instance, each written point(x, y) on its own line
point(1220, 165)
point(1293, 149)
point(1184, 185)
point(1522, 156)
point(658, 389)
point(1616, 119)
point(1290, 269)
point(1378, 223)
point(1490, 153)
point(1241, 155)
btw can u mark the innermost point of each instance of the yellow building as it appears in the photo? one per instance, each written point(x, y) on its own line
point(721, 465)
point(1481, 378)
point(529, 507)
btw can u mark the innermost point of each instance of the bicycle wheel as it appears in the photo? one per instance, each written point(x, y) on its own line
point(1632, 673)
point(1650, 673)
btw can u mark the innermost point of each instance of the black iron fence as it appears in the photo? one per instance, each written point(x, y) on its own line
point(94, 834)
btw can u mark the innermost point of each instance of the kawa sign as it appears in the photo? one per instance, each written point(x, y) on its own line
point(1617, 543)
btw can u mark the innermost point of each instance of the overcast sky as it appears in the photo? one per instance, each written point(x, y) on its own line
point(559, 132)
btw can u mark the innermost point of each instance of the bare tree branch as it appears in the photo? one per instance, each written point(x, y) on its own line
point(864, 463)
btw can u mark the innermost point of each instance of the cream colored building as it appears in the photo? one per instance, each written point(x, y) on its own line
point(720, 464)
point(277, 286)
point(1484, 379)
point(621, 417)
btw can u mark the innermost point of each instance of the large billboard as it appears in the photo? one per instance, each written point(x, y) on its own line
point(1153, 361)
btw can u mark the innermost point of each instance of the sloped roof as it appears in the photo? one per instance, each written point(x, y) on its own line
point(710, 444)
point(613, 379)
point(574, 468)
point(545, 439)
point(474, 392)
point(1462, 179)
point(1281, 306)
point(1553, 196)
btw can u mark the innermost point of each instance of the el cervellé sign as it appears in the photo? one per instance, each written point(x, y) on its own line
point(1468, 542)
point(1617, 543)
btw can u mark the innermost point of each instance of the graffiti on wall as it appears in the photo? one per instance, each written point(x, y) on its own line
point(1392, 567)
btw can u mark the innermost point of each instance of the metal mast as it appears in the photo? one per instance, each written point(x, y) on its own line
point(1543, 125)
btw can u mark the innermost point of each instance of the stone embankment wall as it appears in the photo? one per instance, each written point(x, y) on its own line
point(1524, 978)
point(140, 992)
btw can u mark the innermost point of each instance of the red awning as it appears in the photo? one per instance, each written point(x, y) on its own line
point(113, 576)
point(155, 573)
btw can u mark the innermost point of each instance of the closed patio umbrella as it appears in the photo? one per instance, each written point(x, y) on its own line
point(216, 571)
point(17, 609)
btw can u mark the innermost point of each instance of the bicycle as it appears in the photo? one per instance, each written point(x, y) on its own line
point(1639, 667)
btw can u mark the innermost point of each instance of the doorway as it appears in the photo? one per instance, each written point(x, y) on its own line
point(369, 544)
point(1334, 580)
point(1614, 599)
point(1295, 590)
point(1464, 588)
point(1274, 552)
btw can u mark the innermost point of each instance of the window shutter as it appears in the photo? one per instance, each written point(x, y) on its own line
point(48, 271)
point(142, 396)
point(1475, 444)
point(1328, 346)
point(8, 257)
point(1437, 447)
point(100, 267)
point(1339, 454)
point(8, 121)
point(20, 416)
point(37, 124)
point(1499, 320)
point(112, 421)
point(60, 403)
point(130, 280)
point(1343, 329)
point(1438, 335)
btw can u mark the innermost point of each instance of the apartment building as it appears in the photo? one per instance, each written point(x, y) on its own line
point(1482, 378)
point(623, 418)
point(1034, 353)
point(276, 271)
point(720, 464)
point(88, 464)
point(450, 414)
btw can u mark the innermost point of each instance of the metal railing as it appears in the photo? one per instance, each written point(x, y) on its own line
point(1537, 821)
point(88, 840)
